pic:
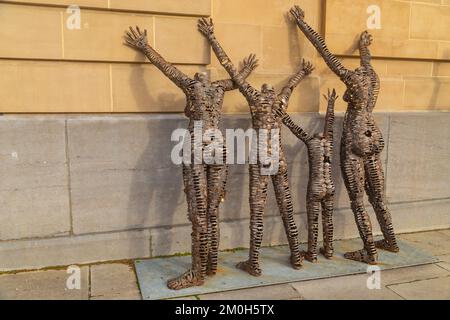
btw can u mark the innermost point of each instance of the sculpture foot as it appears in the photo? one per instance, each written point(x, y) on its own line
point(361, 256)
point(309, 256)
point(189, 279)
point(252, 269)
point(296, 261)
point(385, 245)
point(211, 272)
point(327, 252)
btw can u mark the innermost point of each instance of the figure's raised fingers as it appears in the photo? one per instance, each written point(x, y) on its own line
point(133, 32)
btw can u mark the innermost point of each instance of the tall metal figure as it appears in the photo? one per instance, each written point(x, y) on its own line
point(320, 185)
point(261, 104)
point(204, 184)
point(361, 143)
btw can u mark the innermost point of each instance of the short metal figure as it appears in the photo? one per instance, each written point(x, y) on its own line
point(320, 185)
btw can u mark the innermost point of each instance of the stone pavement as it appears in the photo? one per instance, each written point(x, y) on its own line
point(118, 281)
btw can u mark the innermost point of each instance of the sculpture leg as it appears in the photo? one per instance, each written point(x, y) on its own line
point(353, 174)
point(313, 210)
point(284, 201)
point(258, 196)
point(196, 193)
point(375, 191)
point(327, 226)
point(217, 175)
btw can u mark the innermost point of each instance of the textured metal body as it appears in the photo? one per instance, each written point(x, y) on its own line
point(320, 192)
point(204, 184)
point(361, 144)
point(261, 105)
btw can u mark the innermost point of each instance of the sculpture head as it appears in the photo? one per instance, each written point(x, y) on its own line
point(202, 77)
point(267, 89)
point(319, 135)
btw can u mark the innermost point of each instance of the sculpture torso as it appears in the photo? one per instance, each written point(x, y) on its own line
point(320, 155)
point(204, 103)
point(361, 134)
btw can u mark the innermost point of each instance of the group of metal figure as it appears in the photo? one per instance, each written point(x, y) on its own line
point(361, 146)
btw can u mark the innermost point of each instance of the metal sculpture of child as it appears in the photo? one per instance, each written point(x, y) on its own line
point(263, 118)
point(320, 185)
point(204, 183)
point(361, 144)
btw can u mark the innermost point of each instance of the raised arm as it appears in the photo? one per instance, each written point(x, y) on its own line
point(206, 27)
point(329, 118)
point(333, 63)
point(250, 63)
point(280, 112)
point(138, 40)
point(364, 42)
point(285, 94)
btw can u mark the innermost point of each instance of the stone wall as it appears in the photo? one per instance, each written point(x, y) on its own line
point(85, 173)
point(78, 189)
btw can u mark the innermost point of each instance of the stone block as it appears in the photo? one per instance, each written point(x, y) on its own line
point(30, 32)
point(62, 251)
point(414, 171)
point(45, 86)
point(34, 193)
point(122, 175)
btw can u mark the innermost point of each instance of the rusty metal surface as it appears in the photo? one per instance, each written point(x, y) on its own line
point(321, 189)
point(262, 104)
point(204, 184)
point(361, 144)
point(153, 272)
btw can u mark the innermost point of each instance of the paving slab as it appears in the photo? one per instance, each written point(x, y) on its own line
point(445, 262)
point(43, 285)
point(114, 281)
point(434, 242)
point(153, 273)
point(278, 292)
point(343, 288)
point(432, 289)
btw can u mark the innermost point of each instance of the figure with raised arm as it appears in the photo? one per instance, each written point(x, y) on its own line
point(261, 105)
point(361, 143)
point(320, 184)
point(204, 183)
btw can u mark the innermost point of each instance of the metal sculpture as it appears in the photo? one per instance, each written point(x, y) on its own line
point(320, 185)
point(261, 104)
point(204, 184)
point(361, 143)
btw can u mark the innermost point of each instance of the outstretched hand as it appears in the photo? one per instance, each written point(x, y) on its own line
point(250, 62)
point(366, 39)
point(297, 13)
point(136, 39)
point(206, 27)
point(307, 67)
point(331, 97)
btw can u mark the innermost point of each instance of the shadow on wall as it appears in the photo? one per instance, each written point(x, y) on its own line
point(156, 192)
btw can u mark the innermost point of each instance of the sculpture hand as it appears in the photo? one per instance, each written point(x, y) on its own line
point(297, 13)
point(307, 67)
point(136, 39)
point(366, 39)
point(250, 62)
point(331, 97)
point(206, 27)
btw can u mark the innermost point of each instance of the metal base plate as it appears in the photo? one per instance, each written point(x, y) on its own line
point(154, 273)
